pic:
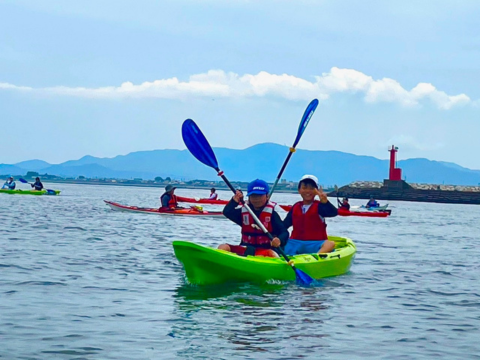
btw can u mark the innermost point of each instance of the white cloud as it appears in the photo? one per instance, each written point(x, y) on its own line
point(218, 83)
point(14, 87)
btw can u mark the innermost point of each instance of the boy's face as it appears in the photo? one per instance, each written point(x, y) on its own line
point(257, 200)
point(307, 191)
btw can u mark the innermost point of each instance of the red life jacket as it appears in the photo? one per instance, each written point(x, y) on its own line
point(308, 226)
point(253, 235)
point(213, 196)
point(172, 203)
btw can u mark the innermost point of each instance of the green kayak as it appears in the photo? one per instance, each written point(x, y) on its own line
point(30, 192)
point(207, 266)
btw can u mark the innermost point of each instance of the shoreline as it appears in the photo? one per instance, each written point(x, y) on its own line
point(159, 186)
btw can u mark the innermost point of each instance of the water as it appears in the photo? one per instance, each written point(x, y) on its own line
point(80, 281)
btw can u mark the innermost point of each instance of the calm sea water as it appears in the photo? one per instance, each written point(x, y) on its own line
point(80, 281)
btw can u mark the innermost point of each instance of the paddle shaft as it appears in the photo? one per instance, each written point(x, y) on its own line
point(307, 115)
point(280, 173)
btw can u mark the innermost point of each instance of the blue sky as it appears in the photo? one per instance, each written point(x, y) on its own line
point(111, 77)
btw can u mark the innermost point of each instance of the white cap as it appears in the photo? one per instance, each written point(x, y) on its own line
point(311, 177)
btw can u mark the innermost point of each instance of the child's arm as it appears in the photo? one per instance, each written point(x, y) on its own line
point(232, 213)
point(327, 210)
point(287, 222)
point(279, 229)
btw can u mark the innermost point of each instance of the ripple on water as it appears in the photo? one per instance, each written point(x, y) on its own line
point(84, 282)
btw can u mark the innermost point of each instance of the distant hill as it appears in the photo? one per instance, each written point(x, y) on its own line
point(6, 170)
point(262, 161)
point(94, 171)
point(33, 165)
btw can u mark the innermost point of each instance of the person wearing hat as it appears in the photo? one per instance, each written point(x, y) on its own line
point(169, 199)
point(309, 234)
point(9, 184)
point(213, 194)
point(344, 204)
point(37, 185)
point(372, 203)
point(254, 241)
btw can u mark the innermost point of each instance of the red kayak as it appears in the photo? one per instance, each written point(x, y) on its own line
point(378, 214)
point(344, 212)
point(180, 212)
point(201, 201)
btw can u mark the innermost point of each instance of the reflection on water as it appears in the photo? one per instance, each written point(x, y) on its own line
point(255, 317)
point(79, 281)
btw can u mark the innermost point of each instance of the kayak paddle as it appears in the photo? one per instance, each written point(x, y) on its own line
point(198, 145)
point(49, 191)
point(307, 115)
point(336, 193)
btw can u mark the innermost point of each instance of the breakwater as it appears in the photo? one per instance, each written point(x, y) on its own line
point(403, 191)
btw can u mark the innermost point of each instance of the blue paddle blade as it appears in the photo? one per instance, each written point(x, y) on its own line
point(302, 278)
point(307, 115)
point(23, 181)
point(198, 144)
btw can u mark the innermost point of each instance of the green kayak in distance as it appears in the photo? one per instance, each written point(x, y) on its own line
point(207, 266)
point(29, 192)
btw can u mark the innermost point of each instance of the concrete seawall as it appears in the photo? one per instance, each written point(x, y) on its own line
point(402, 191)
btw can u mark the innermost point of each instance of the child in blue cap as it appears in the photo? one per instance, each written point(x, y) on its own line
point(254, 241)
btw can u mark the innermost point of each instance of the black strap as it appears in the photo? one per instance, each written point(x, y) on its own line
point(249, 251)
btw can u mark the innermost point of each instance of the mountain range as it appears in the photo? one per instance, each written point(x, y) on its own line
point(258, 161)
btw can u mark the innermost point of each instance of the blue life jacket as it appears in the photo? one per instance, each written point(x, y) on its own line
point(9, 186)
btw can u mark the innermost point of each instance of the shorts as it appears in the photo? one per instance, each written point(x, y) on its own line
point(295, 247)
point(240, 250)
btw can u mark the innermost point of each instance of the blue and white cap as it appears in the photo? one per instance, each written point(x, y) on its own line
point(257, 186)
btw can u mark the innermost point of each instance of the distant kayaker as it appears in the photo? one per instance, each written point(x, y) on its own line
point(169, 199)
point(213, 194)
point(9, 184)
point(254, 241)
point(307, 217)
point(372, 203)
point(344, 204)
point(37, 185)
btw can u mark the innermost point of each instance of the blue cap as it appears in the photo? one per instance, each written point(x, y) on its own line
point(258, 186)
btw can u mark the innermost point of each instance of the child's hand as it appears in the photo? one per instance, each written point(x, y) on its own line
point(321, 195)
point(276, 242)
point(238, 197)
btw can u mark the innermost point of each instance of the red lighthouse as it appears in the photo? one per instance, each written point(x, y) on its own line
point(395, 173)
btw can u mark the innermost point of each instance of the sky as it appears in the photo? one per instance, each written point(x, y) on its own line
point(112, 77)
